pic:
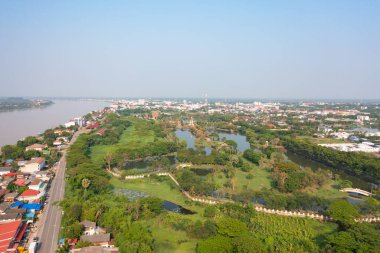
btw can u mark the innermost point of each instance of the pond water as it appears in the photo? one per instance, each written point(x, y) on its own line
point(356, 182)
point(354, 200)
point(137, 165)
point(202, 172)
point(166, 205)
point(208, 150)
point(186, 135)
point(170, 206)
point(145, 164)
point(131, 194)
point(241, 140)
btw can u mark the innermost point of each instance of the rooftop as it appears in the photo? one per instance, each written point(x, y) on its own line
point(29, 193)
point(96, 238)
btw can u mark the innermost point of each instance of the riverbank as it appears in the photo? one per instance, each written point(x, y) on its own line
point(30, 122)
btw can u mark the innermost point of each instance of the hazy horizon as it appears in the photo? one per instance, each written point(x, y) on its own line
point(322, 50)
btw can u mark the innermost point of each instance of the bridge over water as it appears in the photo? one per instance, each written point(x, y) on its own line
point(357, 191)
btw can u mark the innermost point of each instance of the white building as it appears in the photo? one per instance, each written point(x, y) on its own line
point(363, 118)
point(36, 146)
point(341, 135)
point(353, 147)
point(34, 165)
point(69, 124)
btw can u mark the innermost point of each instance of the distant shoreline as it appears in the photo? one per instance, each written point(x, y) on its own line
point(15, 104)
point(33, 121)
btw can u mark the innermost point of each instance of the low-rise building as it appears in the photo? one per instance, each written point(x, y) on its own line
point(36, 146)
point(10, 234)
point(30, 195)
point(89, 227)
point(5, 170)
point(10, 196)
point(34, 165)
point(98, 240)
point(95, 249)
point(37, 185)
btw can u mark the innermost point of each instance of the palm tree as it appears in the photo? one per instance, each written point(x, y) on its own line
point(85, 184)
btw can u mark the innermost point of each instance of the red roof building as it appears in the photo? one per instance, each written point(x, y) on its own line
point(93, 126)
point(10, 174)
point(10, 234)
point(30, 193)
point(102, 131)
point(21, 182)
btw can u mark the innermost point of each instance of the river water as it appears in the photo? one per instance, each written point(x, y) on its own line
point(15, 125)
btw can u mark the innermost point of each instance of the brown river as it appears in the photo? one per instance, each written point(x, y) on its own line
point(18, 124)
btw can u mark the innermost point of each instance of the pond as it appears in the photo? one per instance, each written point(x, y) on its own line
point(171, 207)
point(241, 140)
point(186, 135)
point(354, 200)
point(137, 165)
point(208, 150)
point(144, 164)
point(356, 182)
point(202, 172)
point(131, 194)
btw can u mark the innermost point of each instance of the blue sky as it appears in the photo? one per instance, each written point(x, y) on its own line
point(229, 49)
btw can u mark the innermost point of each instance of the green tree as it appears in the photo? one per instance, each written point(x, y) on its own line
point(21, 189)
point(216, 244)
point(11, 187)
point(49, 137)
point(73, 231)
point(345, 184)
point(30, 154)
point(251, 156)
point(231, 227)
point(11, 152)
point(210, 211)
point(248, 244)
point(85, 184)
point(342, 212)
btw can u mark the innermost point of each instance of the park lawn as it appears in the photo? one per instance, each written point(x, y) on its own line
point(328, 191)
point(169, 240)
point(98, 153)
point(162, 190)
point(137, 135)
point(321, 140)
point(261, 179)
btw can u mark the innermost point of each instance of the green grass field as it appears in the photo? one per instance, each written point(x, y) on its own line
point(328, 191)
point(321, 140)
point(137, 135)
point(261, 179)
point(170, 240)
point(164, 190)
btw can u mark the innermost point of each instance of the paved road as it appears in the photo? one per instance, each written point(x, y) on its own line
point(50, 222)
